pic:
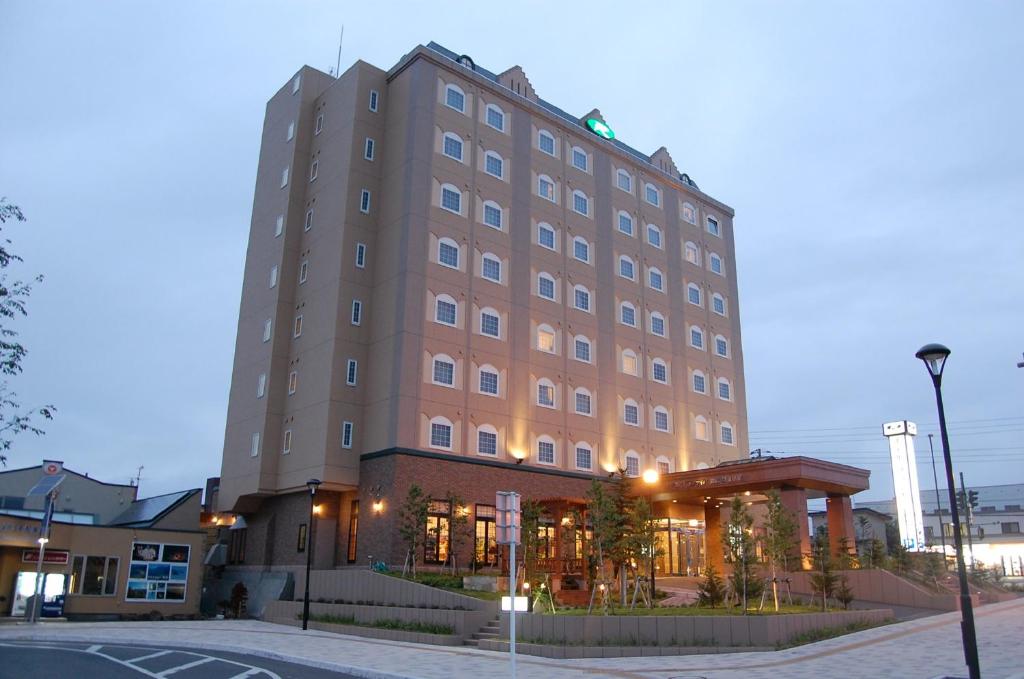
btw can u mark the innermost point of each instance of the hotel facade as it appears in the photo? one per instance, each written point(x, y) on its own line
point(451, 282)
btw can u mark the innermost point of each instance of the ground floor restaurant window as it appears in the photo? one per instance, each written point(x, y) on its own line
point(353, 531)
point(486, 552)
point(94, 575)
point(435, 546)
point(158, 572)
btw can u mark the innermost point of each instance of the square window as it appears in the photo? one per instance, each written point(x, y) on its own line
point(495, 118)
point(582, 403)
point(583, 457)
point(446, 312)
point(579, 159)
point(444, 373)
point(491, 269)
point(351, 372)
point(631, 414)
point(490, 325)
point(546, 395)
point(488, 382)
point(582, 300)
point(492, 216)
point(493, 165)
point(451, 200)
point(546, 236)
point(583, 350)
point(660, 372)
point(546, 143)
point(545, 452)
point(487, 443)
point(440, 435)
point(455, 99)
point(346, 434)
point(660, 420)
point(546, 287)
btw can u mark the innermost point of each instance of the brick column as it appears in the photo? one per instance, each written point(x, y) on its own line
point(713, 554)
point(839, 512)
point(795, 501)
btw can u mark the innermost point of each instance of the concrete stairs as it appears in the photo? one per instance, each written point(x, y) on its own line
point(489, 631)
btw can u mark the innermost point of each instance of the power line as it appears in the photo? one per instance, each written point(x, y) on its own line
point(875, 427)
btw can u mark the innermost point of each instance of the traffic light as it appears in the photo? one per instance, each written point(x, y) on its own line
point(961, 501)
point(972, 498)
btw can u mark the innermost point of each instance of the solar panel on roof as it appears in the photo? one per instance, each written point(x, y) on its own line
point(45, 485)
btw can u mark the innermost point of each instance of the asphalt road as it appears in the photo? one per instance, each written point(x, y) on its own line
point(68, 660)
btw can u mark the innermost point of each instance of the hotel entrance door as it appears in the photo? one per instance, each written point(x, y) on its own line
point(681, 543)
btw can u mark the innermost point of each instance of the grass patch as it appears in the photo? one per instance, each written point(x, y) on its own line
point(476, 594)
point(692, 611)
point(831, 632)
point(429, 628)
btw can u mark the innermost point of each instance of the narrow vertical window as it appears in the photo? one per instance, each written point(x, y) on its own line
point(286, 447)
point(374, 100)
point(254, 448)
point(273, 276)
point(346, 434)
point(309, 220)
point(266, 330)
point(298, 326)
point(293, 382)
point(360, 255)
point(303, 271)
point(364, 202)
point(368, 149)
point(319, 124)
point(351, 372)
point(261, 386)
point(279, 226)
point(291, 131)
point(313, 169)
point(284, 177)
point(297, 83)
point(357, 312)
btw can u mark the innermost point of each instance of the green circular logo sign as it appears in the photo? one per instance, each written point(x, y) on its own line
point(600, 129)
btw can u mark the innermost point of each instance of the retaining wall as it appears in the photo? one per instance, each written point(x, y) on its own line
point(365, 585)
point(462, 623)
point(877, 586)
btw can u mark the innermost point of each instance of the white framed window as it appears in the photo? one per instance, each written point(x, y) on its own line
point(360, 255)
point(452, 146)
point(629, 362)
point(254, 446)
point(579, 159)
point(693, 295)
point(581, 249)
point(655, 279)
point(296, 83)
point(582, 349)
point(546, 286)
point(664, 465)
point(261, 385)
point(581, 298)
point(451, 199)
point(441, 433)
point(545, 393)
point(291, 131)
point(584, 456)
point(627, 269)
point(583, 402)
point(309, 220)
point(661, 419)
point(492, 214)
point(631, 413)
point(374, 100)
point(654, 236)
point(625, 223)
point(488, 382)
point(724, 389)
point(627, 314)
point(490, 268)
point(659, 371)
point(364, 201)
point(725, 434)
point(713, 227)
point(624, 181)
point(266, 330)
point(448, 253)
point(699, 382)
point(273, 276)
point(580, 203)
point(486, 440)
point(718, 304)
point(351, 372)
point(545, 450)
point(632, 464)
point(286, 445)
point(284, 177)
point(546, 338)
point(546, 188)
point(652, 194)
point(657, 324)
point(293, 382)
point(490, 323)
point(701, 431)
point(346, 434)
point(279, 226)
point(546, 236)
point(689, 213)
point(495, 117)
point(357, 312)
point(319, 127)
point(494, 164)
point(721, 346)
point(696, 338)
point(692, 253)
point(443, 371)
point(715, 264)
point(455, 98)
point(297, 327)
point(546, 142)
point(446, 310)
point(369, 147)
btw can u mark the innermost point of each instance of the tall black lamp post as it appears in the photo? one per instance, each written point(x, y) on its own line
point(312, 484)
point(934, 357)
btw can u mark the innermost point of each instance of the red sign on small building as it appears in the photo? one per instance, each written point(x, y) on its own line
point(52, 556)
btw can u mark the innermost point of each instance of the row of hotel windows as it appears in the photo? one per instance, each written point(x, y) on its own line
point(494, 116)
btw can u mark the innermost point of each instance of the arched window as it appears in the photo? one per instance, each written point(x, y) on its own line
point(546, 338)
point(700, 428)
point(659, 371)
point(487, 440)
point(546, 286)
point(715, 264)
point(629, 362)
point(441, 433)
point(490, 322)
point(545, 450)
point(627, 269)
point(494, 164)
point(696, 337)
point(545, 393)
point(455, 98)
point(495, 117)
point(654, 236)
point(584, 456)
point(443, 370)
point(581, 298)
point(452, 146)
point(655, 279)
point(631, 412)
point(657, 324)
point(580, 159)
point(583, 402)
point(625, 223)
point(693, 294)
point(689, 213)
point(624, 181)
point(546, 236)
point(664, 465)
point(490, 267)
point(448, 253)
point(580, 203)
point(725, 434)
point(492, 214)
point(700, 385)
point(632, 465)
point(446, 310)
point(546, 188)
point(546, 142)
point(724, 389)
point(661, 419)
point(721, 346)
point(652, 194)
point(581, 249)
point(451, 198)
point(692, 253)
point(627, 314)
point(718, 304)
point(489, 380)
point(582, 348)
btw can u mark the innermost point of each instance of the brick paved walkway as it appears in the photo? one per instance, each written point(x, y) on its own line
point(922, 648)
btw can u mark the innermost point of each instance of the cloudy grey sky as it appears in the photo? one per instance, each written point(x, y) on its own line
point(873, 154)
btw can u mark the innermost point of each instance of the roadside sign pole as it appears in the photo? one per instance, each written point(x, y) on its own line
point(509, 526)
point(512, 608)
point(44, 532)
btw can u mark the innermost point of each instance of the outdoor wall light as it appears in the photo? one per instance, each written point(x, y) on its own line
point(378, 506)
point(650, 476)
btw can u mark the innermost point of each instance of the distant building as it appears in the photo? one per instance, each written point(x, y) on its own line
point(868, 524)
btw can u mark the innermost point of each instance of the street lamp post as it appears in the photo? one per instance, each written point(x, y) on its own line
point(934, 357)
point(312, 484)
point(651, 478)
point(938, 502)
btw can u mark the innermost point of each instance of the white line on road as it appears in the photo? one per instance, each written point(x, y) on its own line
point(249, 672)
point(204, 659)
point(141, 657)
point(94, 648)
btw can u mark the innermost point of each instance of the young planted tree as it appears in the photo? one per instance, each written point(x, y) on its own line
point(641, 537)
point(779, 540)
point(412, 523)
point(458, 528)
point(711, 591)
point(605, 523)
point(531, 512)
point(13, 297)
point(824, 578)
point(620, 547)
point(738, 541)
point(876, 554)
point(932, 568)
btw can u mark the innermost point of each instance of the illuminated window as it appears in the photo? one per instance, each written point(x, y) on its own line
point(700, 428)
point(689, 213)
point(692, 253)
point(546, 393)
point(629, 362)
point(546, 339)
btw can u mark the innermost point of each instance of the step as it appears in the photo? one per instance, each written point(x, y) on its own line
point(485, 635)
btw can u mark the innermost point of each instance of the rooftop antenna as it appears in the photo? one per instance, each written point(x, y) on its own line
point(138, 476)
point(337, 68)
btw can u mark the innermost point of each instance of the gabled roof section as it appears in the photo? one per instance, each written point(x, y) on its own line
point(594, 113)
point(144, 513)
point(515, 79)
point(65, 470)
point(663, 161)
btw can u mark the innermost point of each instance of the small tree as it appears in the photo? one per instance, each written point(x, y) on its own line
point(932, 568)
point(824, 578)
point(900, 559)
point(458, 527)
point(711, 591)
point(876, 555)
point(530, 515)
point(606, 526)
point(844, 558)
point(412, 522)
point(844, 593)
point(779, 540)
point(738, 541)
point(621, 544)
point(641, 537)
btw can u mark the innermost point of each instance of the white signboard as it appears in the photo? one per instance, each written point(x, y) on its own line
point(507, 518)
point(904, 479)
point(522, 603)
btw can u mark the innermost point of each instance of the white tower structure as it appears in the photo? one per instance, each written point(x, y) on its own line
point(904, 479)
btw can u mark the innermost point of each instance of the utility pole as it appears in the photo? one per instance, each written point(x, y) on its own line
point(967, 514)
point(938, 501)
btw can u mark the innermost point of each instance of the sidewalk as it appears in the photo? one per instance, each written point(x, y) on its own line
point(922, 648)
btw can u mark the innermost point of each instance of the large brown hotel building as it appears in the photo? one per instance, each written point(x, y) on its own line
point(451, 282)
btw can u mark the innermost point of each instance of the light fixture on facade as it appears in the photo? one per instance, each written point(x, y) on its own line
point(650, 476)
point(378, 506)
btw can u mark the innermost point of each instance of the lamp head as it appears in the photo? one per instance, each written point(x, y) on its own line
point(934, 357)
point(313, 484)
point(650, 476)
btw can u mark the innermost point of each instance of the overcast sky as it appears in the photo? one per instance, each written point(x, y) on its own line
point(873, 155)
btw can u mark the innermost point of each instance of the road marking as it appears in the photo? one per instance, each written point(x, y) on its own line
point(248, 673)
point(204, 659)
point(94, 648)
point(141, 657)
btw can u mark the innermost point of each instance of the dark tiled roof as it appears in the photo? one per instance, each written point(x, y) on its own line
point(146, 512)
